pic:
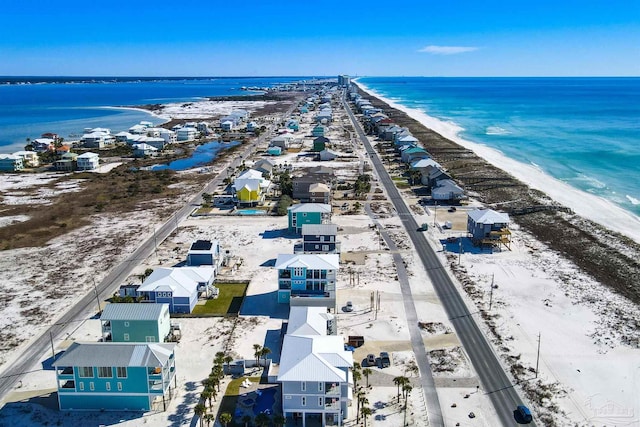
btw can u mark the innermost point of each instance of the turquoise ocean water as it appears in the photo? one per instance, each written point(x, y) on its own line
point(583, 131)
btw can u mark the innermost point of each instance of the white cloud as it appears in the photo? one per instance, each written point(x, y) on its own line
point(447, 50)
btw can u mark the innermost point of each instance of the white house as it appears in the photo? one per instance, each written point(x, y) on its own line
point(29, 158)
point(88, 161)
point(178, 287)
point(186, 134)
point(98, 139)
point(144, 150)
point(314, 370)
point(11, 163)
point(447, 190)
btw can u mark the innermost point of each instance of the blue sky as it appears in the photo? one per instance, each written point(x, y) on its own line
point(267, 38)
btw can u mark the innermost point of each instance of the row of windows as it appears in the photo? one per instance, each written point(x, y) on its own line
point(163, 294)
point(303, 386)
point(303, 400)
point(103, 372)
point(92, 386)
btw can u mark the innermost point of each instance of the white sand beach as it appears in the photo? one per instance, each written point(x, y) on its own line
point(584, 204)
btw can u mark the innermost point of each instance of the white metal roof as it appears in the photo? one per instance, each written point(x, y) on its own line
point(308, 320)
point(310, 207)
point(488, 216)
point(314, 358)
point(310, 261)
point(182, 281)
point(123, 311)
point(116, 354)
point(319, 229)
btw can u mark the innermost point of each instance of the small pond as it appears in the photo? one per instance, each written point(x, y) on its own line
point(202, 155)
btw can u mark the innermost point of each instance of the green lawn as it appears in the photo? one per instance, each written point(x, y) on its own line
point(228, 302)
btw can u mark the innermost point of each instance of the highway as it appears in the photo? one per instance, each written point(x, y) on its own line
point(86, 307)
point(493, 378)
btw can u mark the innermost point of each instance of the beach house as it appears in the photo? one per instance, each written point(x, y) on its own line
point(307, 279)
point(87, 161)
point(204, 253)
point(98, 138)
point(314, 371)
point(488, 227)
point(116, 376)
point(30, 159)
point(43, 144)
point(179, 287)
point(318, 239)
point(320, 143)
point(11, 163)
point(186, 134)
point(319, 130)
point(135, 322)
point(144, 150)
point(264, 166)
point(307, 213)
point(66, 163)
point(447, 190)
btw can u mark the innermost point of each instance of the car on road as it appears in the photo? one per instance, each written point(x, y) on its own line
point(348, 307)
point(371, 360)
point(524, 414)
point(385, 360)
point(452, 209)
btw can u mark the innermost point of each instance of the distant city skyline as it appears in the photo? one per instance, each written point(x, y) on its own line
point(403, 38)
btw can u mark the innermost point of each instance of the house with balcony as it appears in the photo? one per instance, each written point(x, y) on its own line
point(488, 227)
point(135, 322)
point(307, 213)
point(87, 161)
point(307, 279)
point(314, 371)
point(318, 239)
point(116, 376)
point(179, 287)
point(30, 159)
point(11, 163)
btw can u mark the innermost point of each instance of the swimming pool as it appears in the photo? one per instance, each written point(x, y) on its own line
point(265, 401)
point(251, 212)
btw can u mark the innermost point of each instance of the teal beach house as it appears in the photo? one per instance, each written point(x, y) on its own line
point(307, 213)
point(308, 280)
point(135, 322)
point(116, 376)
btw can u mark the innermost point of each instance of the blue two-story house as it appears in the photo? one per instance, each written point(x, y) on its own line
point(116, 376)
point(318, 239)
point(307, 279)
point(179, 287)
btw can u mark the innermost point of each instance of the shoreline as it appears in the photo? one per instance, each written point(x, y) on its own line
point(589, 206)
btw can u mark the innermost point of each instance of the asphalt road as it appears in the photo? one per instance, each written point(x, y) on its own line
point(493, 378)
point(86, 307)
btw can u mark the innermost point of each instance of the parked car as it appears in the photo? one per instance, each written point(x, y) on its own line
point(385, 360)
point(371, 359)
point(524, 414)
point(452, 209)
point(349, 306)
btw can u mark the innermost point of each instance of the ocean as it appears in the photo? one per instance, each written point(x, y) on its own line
point(31, 106)
point(582, 131)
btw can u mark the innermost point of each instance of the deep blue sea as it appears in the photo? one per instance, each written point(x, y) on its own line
point(583, 131)
point(31, 106)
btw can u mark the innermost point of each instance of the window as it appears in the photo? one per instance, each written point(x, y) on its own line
point(150, 339)
point(126, 337)
point(108, 385)
point(303, 386)
point(81, 386)
point(105, 372)
point(121, 372)
point(86, 372)
point(303, 401)
point(320, 386)
point(119, 386)
point(126, 324)
point(319, 401)
point(92, 386)
point(298, 271)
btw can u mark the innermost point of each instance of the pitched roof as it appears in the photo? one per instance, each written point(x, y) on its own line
point(310, 261)
point(250, 184)
point(116, 354)
point(423, 163)
point(308, 320)
point(120, 311)
point(318, 187)
point(310, 207)
point(488, 216)
point(314, 358)
point(182, 281)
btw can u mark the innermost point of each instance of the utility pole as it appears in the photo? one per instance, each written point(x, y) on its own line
point(53, 352)
point(538, 357)
point(155, 241)
point(175, 216)
point(491, 293)
point(459, 249)
point(95, 289)
point(435, 213)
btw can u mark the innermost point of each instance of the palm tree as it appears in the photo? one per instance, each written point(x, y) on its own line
point(264, 353)
point(359, 394)
point(228, 359)
point(200, 410)
point(362, 401)
point(206, 396)
point(256, 352)
point(225, 418)
point(400, 381)
point(219, 358)
point(365, 413)
point(279, 420)
point(262, 419)
point(246, 420)
point(366, 372)
point(209, 418)
point(213, 395)
point(406, 389)
point(357, 376)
